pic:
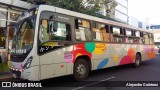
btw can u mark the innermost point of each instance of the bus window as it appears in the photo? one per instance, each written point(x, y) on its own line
point(43, 33)
point(151, 39)
point(136, 37)
point(141, 38)
point(99, 32)
point(116, 34)
point(83, 32)
point(105, 33)
point(58, 31)
point(137, 33)
point(27, 34)
point(146, 38)
point(129, 36)
point(54, 31)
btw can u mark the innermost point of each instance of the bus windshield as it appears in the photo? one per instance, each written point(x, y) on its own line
point(23, 40)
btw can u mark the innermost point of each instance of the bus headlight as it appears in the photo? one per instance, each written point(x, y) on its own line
point(28, 63)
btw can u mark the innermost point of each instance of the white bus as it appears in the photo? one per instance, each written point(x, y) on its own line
point(52, 42)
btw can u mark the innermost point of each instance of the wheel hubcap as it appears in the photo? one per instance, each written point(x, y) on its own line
point(81, 70)
point(137, 62)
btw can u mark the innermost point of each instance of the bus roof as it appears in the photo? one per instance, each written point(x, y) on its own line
point(88, 17)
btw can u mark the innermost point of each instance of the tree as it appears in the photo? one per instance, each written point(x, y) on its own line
point(109, 5)
point(90, 7)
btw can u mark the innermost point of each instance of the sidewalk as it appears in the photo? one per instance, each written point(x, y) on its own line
point(5, 75)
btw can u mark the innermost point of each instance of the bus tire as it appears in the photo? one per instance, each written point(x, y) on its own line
point(80, 70)
point(137, 60)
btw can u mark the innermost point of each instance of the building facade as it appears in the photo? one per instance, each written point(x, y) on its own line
point(120, 12)
point(135, 22)
point(9, 11)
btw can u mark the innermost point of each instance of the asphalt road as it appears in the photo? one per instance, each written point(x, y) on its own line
point(114, 78)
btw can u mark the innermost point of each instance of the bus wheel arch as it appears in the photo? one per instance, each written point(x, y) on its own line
point(82, 67)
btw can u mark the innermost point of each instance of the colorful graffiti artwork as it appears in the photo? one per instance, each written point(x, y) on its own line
point(129, 58)
point(68, 57)
point(115, 58)
point(99, 48)
point(90, 47)
point(131, 54)
point(103, 63)
point(149, 51)
point(82, 49)
point(86, 49)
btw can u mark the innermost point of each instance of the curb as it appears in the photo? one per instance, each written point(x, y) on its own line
point(6, 77)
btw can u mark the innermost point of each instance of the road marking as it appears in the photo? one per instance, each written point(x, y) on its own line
point(93, 83)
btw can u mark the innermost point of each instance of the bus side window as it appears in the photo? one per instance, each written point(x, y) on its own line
point(68, 28)
point(136, 37)
point(83, 32)
point(128, 36)
point(60, 31)
point(105, 33)
point(141, 38)
point(146, 38)
point(43, 35)
point(117, 34)
point(151, 38)
point(111, 34)
point(99, 32)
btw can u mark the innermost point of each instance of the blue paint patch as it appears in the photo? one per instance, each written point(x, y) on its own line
point(102, 63)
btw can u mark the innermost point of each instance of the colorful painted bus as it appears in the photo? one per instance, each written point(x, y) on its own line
point(52, 42)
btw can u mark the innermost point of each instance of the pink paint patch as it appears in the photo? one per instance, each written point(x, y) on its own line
point(68, 57)
point(125, 60)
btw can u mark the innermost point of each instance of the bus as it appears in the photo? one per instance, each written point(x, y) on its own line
point(51, 42)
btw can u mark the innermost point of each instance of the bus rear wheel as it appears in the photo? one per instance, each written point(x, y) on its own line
point(81, 70)
point(137, 60)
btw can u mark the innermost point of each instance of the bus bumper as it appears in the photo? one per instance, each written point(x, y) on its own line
point(31, 74)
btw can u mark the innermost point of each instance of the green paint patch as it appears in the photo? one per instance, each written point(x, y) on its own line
point(90, 47)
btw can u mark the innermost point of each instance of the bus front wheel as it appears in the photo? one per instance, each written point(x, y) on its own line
point(137, 60)
point(80, 70)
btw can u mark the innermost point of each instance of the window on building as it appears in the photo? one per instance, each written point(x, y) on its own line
point(2, 38)
point(83, 30)
point(3, 13)
point(3, 17)
point(14, 15)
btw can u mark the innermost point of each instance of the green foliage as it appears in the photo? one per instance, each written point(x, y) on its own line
point(90, 7)
point(109, 5)
point(4, 67)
